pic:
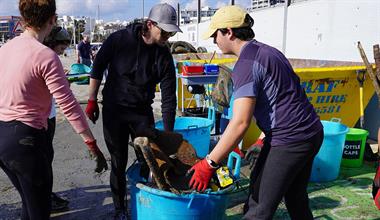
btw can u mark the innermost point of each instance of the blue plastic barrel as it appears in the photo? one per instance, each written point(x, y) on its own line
point(326, 164)
point(195, 130)
point(150, 203)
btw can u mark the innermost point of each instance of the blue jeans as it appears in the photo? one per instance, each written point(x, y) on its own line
point(85, 61)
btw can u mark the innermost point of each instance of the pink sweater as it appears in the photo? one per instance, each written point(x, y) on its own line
point(29, 73)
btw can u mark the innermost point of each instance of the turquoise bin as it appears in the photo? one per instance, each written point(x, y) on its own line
point(150, 203)
point(195, 130)
point(79, 68)
point(326, 163)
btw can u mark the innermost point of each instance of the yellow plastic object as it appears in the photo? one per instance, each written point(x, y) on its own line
point(251, 135)
point(158, 88)
point(214, 61)
point(224, 177)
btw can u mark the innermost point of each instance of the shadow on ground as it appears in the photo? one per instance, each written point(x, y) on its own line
point(93, 202)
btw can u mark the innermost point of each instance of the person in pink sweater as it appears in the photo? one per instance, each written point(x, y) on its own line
point(30, 74)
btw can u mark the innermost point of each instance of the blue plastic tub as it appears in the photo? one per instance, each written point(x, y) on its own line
point(211, 69)
point(150, 203)
point(195, 130)
point(326, 164)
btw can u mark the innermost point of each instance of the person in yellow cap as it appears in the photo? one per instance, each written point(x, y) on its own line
point(266, 87)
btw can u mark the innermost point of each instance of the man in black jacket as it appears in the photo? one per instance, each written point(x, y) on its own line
point(137, 60)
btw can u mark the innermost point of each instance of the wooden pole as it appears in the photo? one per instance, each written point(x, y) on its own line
point(376, 55)
point(369, 70)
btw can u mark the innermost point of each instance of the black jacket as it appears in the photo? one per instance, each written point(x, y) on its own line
point(134, 70)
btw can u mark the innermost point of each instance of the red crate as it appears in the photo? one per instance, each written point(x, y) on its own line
point(192, 70)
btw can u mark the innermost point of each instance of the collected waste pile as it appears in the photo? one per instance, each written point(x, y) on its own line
point(166, 158)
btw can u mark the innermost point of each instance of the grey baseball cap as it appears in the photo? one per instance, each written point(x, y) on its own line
point(165, 16)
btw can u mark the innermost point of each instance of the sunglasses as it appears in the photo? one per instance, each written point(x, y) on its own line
point(165, 33)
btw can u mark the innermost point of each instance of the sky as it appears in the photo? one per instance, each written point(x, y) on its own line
point(115, 9)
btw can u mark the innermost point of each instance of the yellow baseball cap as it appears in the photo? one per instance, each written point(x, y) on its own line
point(230, 16)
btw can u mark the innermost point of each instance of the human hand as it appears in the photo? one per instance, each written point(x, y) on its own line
point(92, 110)
point(97, 155)
point(201, 176)
point(253, 152)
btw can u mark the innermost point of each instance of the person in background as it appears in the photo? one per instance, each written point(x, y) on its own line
point(266, 87)
point(58, 40)
point(137, 60)
point(32, 75)
point(84, 51)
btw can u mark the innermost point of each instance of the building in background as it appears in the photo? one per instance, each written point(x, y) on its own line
point(190, 16)
point(10, 26)
point(256, 4)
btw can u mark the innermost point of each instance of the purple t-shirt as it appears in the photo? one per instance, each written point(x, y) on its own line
point(282, 109)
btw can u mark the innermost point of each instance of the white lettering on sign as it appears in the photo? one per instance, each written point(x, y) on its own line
point(352, 149)
point(351, 153)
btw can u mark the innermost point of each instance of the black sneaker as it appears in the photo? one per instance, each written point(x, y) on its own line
point(57, 203)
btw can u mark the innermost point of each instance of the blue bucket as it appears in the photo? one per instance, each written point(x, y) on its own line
point(326, 163)
point(195, 130)
point(151, 203)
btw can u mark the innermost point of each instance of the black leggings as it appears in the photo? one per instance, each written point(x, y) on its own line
point(282, 172)
point(118, 123)
point(25, 156)
point(50, 132)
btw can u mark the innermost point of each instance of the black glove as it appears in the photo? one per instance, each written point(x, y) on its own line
point(253, 152)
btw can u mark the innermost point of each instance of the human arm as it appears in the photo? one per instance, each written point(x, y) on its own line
point(95, 153)
point(242, 115)
point(78, 52)
point(58, 86)
point(99, 66)
point(168, 94)
point(92, 108)
point(241, 119)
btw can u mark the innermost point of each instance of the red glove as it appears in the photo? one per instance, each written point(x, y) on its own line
point(97, 155)
point(376, 188)
point(92, 110)
point(202, 175)
point(253, 152)
point(377, 199)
